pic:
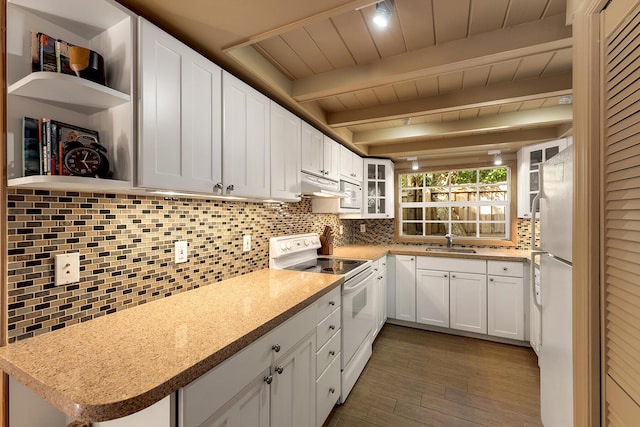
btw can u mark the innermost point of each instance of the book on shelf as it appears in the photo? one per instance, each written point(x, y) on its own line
point(35, 51)
point(47, 53)
point(31, 164)
point(62, 57)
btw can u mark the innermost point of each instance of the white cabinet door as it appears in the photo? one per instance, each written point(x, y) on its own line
point(382, 306)
point(350, 165)
point(312, 152)
point(180, 124)
point(378, 189)
point(505, 307)
point(432, 297)
point(405, 288)
point(293, 390)
point(331, 158)
point(357, 167)
point(246, 158)
point(285, 154)
point(468, 302)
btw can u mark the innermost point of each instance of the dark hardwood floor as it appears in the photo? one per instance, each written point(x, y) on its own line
point(421, 378)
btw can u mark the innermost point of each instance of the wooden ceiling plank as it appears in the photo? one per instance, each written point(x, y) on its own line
point(556, 7)
point(483, 49)
point(427, 87)
point(560, 62)
point(367, 97)
point(416, 22)
point(470, 113)
point(386, 94)
point(349, 100)
point(285, 57)
point(307, 50)
point(489, 110)
point(450, 82)
point(355, 34)
point(406, 90)
point(523, 136)
point(476, 77)
point(331, 104)
point(510, 108)
point(503, 72)
point(525, 11)
point(520, 90)
point(532, 104)
point(487, 15)
point(325, 35)
point(533, 66)
point(264, 69)
point(540, 117)
point(451, 23)
point(389, 40)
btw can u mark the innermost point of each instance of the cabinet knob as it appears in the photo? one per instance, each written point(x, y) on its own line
point(268, 379)
point(322, 171)
point(446, 275)
point(230, 188)
point(276, 348)
point(375, 269)
point(504, 268)
point(332, 302)
point(332, 353)
point(332, 390)
point(217, 188)
point(453, 276)
point(280, 369)
point(332, 327)
point(491, 279)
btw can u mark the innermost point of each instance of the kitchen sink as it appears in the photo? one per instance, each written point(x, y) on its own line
point(452, 250)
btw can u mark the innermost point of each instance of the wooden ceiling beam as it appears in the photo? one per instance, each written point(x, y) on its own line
point(531, 38)
point(517, 119)
point(498, 94)
point(465, 144)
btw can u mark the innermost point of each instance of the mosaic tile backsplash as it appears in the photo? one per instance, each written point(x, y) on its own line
point(126, 245)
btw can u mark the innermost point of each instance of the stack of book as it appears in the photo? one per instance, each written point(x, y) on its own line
point(43, 145)
point(49, 54)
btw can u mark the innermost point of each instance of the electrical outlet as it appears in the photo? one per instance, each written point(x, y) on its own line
point(342, 229)
point(181, 252)
point(363, 228)
point(246, 243)
point(67, 268)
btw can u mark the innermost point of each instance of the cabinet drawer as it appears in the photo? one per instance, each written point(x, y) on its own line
point(327, 391)
point(452, 264)
point(380, 264)
point(327, 303)
point(327, 353)
point(505, 268)
point(328, 327)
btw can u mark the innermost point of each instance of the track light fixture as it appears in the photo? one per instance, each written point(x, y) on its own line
point(384, 9)
point(414, 163)
point(497, 156)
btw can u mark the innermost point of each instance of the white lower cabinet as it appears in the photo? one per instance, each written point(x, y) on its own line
point(328, 341)
point(505, 300)
point(405, 285)
point(432, 297)
point(468, 302)
point(379, 295)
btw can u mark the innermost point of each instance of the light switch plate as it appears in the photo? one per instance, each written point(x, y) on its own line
point(342, 229)
point(67, 268)
point(246, 243)
point(363, 228)
point(181, 252)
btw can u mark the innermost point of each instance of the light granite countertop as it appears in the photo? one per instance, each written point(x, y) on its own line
point(374, 252)
point(124, 362)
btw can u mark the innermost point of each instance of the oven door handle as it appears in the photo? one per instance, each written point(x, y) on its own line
point(357, 286)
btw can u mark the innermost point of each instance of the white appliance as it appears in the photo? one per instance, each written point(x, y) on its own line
point(554, 302)
point(315, 186)
point(299, 252)
point(353, 202)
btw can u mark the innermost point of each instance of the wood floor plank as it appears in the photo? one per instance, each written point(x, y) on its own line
point(423, 378)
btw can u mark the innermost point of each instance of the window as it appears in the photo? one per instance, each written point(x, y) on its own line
point(471, 203)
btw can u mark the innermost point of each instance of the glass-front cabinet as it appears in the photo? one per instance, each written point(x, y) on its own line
point(529, 160)
point(378, 187)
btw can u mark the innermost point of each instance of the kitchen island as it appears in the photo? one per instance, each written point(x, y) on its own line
point(119, 364)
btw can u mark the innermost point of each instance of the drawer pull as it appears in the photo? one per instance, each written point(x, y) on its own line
point(276, 348)
point(280, 369)
point(332, 390)
point(446, 275)
point(491, 279)
point(332, 327)
point(504, 268)
point(332, 353)
point(332, 302)
point(268, 379)
point(453, 276)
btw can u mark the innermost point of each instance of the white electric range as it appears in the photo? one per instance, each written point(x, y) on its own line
point(299, 252)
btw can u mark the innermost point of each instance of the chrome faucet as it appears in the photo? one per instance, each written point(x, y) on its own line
point(449, 238)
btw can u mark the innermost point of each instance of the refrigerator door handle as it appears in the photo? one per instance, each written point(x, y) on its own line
point(534, 208)
point(532, 278)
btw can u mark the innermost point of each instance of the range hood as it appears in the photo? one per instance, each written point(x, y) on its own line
point(315, 186)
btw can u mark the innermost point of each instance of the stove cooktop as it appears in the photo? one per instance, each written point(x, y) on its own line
point(328, 265)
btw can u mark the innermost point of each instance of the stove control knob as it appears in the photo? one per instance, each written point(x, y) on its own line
point(283, 247)
point(288, 245)
point(306, 242)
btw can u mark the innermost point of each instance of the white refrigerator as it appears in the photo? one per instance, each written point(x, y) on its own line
point(554, 301)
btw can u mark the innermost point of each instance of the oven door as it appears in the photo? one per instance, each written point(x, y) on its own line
point(357, 313)
point(354, 192)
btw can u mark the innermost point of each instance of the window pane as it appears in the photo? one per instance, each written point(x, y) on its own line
point(464, 193)
point(489, 195)
point(412, 229)
point(492, 213)
point(464, 229)
point(411, 214)
point(464, 177)
point(493, 230)
point(437, 194)
point(411, 196)
point(437, 178)
point(441, 214)
point(465, 213)
point(412, 180)
point(435, 229)
point(493, 175)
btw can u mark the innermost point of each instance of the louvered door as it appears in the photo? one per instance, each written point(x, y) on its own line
point(621, 219)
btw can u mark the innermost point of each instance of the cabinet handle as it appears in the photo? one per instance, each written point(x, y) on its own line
point(453, 276)
point(280, 369)
point(332, 390)
point(217, 188)
point(332, 353)
point(276, 348)
point(446, 275)
point(491, 279)
point(268, 379)
point(322, 171)
point(384, 264)
point(332, 327)
point(410, 259)
point(504, 268)
point(332, 302)
point(375, 269)
point(230, 188)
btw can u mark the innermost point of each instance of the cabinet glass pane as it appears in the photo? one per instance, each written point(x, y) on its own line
point(534, 185)
point(550, 152)
point(371, 206)
point(412, 229)
point(381, 173)
point(371, 189)
point(382, 206)
point(371, 171)
point(411, 196)
point(381, 189)
point(535, 157)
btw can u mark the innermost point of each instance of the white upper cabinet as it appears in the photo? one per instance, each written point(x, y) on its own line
point(285, 154)
point(350, 165)
point(529, 160)
point(103, 26)
point(312, 153)
point(331, 158)
point(378, 189)
point(246, 157)
point(180, 115)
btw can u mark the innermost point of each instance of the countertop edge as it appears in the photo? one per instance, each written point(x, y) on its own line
point(374, 252)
